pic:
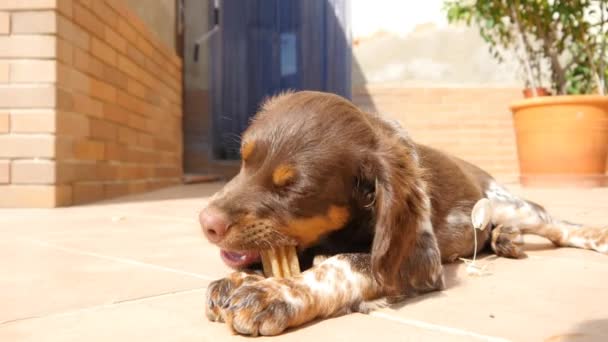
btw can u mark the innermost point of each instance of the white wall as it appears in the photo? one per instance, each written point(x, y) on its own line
point(410, 42)
point(395, 16)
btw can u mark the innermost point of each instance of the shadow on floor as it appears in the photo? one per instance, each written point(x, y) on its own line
point(586, 331)
point(183, 192)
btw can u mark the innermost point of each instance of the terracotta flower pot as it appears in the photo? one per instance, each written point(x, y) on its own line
point(562, 140)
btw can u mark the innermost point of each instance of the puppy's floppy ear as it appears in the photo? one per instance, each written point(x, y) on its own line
point(400, 205)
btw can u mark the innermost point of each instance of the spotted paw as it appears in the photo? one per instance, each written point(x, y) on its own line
point(262, 308)
point(220, 290)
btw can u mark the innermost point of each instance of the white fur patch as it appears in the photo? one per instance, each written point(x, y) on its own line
point(602, 248)
point(496, 191)
point(457, 217)
point(321, 288)
point(293, 301)
point(425, 224)
point(329, 287)
point(579, 242)
point(481, 215)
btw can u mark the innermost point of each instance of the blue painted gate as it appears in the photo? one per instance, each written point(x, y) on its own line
point(266, 46)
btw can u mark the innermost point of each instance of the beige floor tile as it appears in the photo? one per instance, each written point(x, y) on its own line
point(523, 300)
point(179, 317)
point(37, 280)
point(166, 243)
point(83, 270)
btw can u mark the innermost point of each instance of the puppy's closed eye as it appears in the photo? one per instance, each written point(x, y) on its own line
point(283, 174)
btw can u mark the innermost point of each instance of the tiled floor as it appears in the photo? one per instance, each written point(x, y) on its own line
point(136, 269)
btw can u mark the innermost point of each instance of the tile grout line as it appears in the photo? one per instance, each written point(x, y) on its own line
point(116, 259)
point(435, 327)
point(154, 217)
point(103, 306)
point(560, 258)
point(377, 314)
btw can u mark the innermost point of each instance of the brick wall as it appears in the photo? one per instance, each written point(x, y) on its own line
point(471, 123)
point(90, 104)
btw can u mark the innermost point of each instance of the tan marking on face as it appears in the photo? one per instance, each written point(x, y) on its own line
point(283, 174)
point(247, 149)
point(309, 230)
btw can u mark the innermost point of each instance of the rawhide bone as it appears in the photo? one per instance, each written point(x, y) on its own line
point(280, 262)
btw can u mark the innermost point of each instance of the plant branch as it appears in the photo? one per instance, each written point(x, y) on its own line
point(601, 72)
point(526, 45)
point(549, 39)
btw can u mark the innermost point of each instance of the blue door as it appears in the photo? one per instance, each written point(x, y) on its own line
point(266, 46)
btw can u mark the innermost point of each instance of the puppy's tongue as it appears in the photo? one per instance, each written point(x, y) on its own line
point(239, 259)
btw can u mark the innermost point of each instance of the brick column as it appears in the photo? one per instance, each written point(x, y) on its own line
point(90, 104)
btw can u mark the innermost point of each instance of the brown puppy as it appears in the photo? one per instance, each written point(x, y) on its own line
point(322, 175)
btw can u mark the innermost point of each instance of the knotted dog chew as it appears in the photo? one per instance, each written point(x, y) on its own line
point(280, 262)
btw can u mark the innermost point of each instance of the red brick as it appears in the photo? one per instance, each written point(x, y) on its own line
point(88, 64)
point(127, 136)
point(103, 91)
point(130, 103)
point(71, 124)
point(72, 33)
point(83, 17)
point(116, 41)
point(115, 152)
point(145, 140)
point(64, 148)
point(103, 130)
point(103, 51)
point(136, 55)
point(136, 88)
point(106, 172)
point(87, 3)
point(128, 67)
point(115, 113)
point(127, 31)
point(115, 190)
point(86, 105)
point(65, 51)
point(106, 13)
point(72, 79)
point(115, 77)
point(137, 122)
point(87, 192)
point(65, 7)
point(89, 150)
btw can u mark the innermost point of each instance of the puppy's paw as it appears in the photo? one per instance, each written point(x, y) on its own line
point(263, 308)
point(220, 290)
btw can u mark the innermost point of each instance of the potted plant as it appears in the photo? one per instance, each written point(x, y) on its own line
point(562, 139)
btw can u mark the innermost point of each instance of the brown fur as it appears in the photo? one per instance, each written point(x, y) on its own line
point(388, 209)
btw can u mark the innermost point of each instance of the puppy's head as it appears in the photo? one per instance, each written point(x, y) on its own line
point(299, 156)
point(307, 160)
